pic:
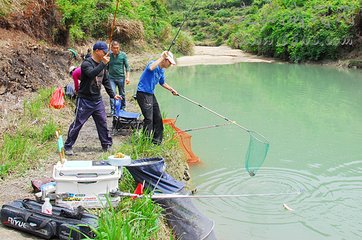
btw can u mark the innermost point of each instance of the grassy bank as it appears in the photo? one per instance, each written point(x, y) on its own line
point(29, 141)
point(28, 138)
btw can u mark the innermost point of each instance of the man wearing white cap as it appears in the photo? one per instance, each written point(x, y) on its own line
point(154, 74)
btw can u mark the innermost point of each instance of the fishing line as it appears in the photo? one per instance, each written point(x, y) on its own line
point(185, 17)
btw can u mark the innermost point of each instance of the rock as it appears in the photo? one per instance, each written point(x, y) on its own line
point(355, 63)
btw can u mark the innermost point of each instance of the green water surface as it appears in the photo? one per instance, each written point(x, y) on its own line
point(312, 117)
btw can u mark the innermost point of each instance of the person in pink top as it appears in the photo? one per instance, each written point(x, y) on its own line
point(75, 72)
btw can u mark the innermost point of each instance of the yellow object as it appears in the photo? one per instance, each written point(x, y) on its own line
point(119, 155)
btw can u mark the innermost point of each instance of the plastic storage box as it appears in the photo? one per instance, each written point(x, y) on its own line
point(86, 183)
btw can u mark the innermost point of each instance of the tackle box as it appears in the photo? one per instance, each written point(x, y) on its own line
point(86, 183)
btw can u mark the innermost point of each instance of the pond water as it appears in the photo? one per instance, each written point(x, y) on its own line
point(312, 117)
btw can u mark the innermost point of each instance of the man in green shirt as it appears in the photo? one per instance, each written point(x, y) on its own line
point(118, 70)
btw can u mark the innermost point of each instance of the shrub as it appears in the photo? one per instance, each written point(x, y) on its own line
point(297, 30)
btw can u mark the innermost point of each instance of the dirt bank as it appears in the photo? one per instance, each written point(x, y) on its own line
point(218, 55)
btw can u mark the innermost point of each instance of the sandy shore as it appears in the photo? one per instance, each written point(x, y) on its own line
point(218, 55)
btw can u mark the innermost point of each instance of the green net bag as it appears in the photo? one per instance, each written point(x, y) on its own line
point(256, 153)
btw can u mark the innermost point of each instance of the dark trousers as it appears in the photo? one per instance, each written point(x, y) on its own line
point(84, 110)
point(152, 116)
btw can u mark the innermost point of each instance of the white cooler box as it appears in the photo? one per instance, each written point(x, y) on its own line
point(86, 183)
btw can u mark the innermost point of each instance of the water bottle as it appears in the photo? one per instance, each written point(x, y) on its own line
point(47, 207)
point(117, 104)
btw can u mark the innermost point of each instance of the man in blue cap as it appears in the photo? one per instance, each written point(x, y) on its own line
point(89, 102)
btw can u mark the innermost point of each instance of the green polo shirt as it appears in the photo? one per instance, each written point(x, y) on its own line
point(118, 64)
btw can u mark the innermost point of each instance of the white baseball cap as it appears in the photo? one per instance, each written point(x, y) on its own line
point(71, 69)
point(170, 58)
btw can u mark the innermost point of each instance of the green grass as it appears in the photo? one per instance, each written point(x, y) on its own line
point(30, 139)
point(140, 218)
point(132, 219)
point(140, 146)
point(15, 153)
point(5, 6)
point(34, 107)
point(48, 131)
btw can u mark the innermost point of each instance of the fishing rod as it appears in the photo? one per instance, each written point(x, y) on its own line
point(223, 117)
point(212, 111)
point(186, 15)
point(205, 127)
point(171, 196)
point(113, 23)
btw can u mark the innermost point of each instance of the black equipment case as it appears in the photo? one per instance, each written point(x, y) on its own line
point(64, 223)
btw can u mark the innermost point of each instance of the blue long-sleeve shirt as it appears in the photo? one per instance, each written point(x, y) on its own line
point(149, 79)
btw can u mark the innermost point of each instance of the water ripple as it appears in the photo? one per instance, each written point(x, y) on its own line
point(323, 202)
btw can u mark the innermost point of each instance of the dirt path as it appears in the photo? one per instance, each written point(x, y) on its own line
point(87, 147)
point(217, 56)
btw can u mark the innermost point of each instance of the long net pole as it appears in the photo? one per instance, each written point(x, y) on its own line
point(114, 22)
point(258, 144)
point(212, 111)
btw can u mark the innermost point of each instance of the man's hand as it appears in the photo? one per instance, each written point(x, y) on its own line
point(106, 58)
point(127, 81)
point(164, 55)
point(174, 92)
point(117, 97)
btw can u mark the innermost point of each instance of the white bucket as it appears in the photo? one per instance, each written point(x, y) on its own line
point(119, 162)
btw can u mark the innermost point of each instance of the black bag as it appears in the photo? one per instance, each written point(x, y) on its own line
point(64, 223)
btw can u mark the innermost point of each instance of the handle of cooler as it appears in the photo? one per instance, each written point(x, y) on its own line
point(86, 175)
point(87, 182)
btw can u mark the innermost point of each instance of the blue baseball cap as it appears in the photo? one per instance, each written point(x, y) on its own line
point(100, 46)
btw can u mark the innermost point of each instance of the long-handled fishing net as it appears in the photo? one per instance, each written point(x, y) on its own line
point(184, 140)
point(258, 144)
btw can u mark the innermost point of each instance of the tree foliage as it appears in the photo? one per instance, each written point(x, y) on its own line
point(93, 18)
point(297, 30)
point(85, 17)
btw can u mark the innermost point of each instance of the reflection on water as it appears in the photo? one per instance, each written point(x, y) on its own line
point(312, 117)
